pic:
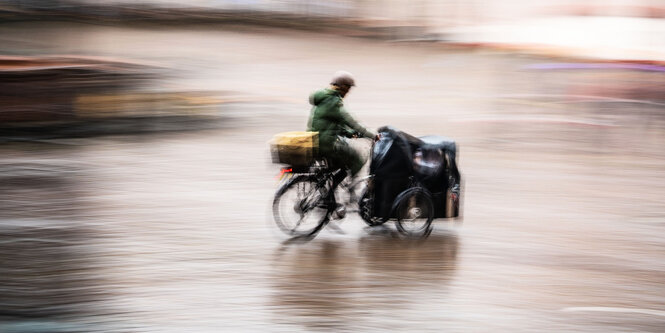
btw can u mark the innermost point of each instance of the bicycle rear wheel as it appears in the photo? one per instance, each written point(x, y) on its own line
point(299, 207)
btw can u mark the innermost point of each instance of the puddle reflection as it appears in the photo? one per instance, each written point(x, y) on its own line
point(332, 284)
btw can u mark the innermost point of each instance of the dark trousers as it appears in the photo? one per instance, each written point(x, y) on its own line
point(342, 156)
point(345, 157)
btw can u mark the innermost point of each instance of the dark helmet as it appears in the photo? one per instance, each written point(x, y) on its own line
point(343, 78)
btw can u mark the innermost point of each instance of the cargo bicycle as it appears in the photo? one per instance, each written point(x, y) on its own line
point(411, 181)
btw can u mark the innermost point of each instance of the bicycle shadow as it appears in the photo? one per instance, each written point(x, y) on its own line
point(337, 284)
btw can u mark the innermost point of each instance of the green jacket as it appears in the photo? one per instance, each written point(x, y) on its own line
point(330, 119)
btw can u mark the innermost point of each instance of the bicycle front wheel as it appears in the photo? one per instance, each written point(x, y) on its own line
point(414, 212)
point(299, 207)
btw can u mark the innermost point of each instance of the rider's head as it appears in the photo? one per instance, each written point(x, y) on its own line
point(342, 81)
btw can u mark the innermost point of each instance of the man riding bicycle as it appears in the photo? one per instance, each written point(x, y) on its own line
point(332, 121)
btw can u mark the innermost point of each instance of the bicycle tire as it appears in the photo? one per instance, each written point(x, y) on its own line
point(414, 211)
point(289, 212)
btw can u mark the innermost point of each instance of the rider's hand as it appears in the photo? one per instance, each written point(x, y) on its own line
point(377, 137)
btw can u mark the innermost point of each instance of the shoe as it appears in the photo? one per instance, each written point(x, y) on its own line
point(339, 212)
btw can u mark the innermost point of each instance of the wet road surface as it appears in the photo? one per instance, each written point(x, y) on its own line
point(172, 232)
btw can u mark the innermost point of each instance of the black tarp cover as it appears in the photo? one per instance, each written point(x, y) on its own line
point(399, 158)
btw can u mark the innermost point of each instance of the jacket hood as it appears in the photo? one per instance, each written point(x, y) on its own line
point(321, 95)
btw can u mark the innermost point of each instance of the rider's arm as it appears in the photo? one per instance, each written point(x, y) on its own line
point(353, 124)
point(349, 132)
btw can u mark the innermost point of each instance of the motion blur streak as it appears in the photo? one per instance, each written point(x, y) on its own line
point(136, 183)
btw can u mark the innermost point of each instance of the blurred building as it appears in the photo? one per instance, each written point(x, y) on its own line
point(615, 29)
point(434, 13)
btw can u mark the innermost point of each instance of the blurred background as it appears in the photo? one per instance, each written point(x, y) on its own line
point(136, 183)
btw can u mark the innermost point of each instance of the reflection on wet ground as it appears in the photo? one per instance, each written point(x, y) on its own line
point(49, 271)
point(164, 233)
point(341, 286)
point(51, 280)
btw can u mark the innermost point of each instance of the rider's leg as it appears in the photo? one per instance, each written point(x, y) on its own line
point(339, 178)
point(339, 158)
point(349, 157)
point(345, 157)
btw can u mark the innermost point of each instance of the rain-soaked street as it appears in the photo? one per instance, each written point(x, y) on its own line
point(172, 231)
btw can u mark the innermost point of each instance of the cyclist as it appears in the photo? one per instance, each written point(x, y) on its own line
point(332, 121)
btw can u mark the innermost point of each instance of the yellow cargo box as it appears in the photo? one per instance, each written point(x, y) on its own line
point(295, 148)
